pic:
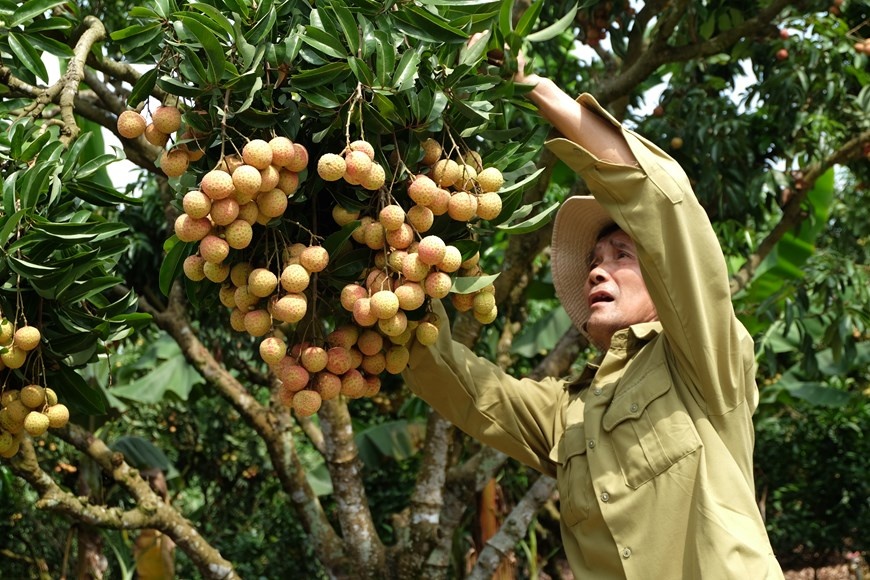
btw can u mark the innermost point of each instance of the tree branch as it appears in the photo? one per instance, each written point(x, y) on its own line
point(512, 529)
point(793, 213)
point(75, 72)
point(276, 435)
point(361, 539)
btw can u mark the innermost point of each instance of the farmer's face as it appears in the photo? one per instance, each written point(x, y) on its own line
point(615, 290)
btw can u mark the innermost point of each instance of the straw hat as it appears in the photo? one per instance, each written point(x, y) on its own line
point(578, 223)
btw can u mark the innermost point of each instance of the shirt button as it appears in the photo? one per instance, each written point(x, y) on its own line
point(626, 553)
point(605, 497)
point(591, 443)
point(633, 408)
point(597, 392)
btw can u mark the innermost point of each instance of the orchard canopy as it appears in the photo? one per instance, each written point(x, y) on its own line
point(224, 223)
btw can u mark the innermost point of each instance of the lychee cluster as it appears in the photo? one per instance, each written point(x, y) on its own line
point(165, 121)
point(240, 193)
point(462, 188)
point(33, 409)
point(356, 165)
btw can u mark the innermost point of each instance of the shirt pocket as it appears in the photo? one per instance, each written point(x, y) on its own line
point(572, 475)
point(649, 427)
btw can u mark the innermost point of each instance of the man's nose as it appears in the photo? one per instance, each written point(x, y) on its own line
point(598, 274)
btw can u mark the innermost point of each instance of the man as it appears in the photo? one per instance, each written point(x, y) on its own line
point(652, 446)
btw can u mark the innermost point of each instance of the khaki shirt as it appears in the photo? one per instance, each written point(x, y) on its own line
point(651, 448)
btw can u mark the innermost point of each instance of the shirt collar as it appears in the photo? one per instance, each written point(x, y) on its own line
point(631, 340)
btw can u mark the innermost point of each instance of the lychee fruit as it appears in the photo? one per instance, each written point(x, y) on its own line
point(451, 261)
point(272, 203)
point(282, 151)
point(462, 206)
point(350, 294)
point(230, 163)
point(345, 336)
point(32, 396)
point(272, 350)
point(488, 205)
point(440, 201)
point(269, 178)
point(192, 267)
point(391, 217)
point(27, 338)
point(331, 167)
point(353, 385)
point(295, 278)
point(357, 166)
point(375, 178)
point(300, 160)
point(217, 184)
point(247, 181)
point(486, 318)
point(467, 175)
point(373, 364)
point(306, 403)
point(227, 295)
point(343, 216)
point(155, 136)
point(426, 333)
point(288, 182)
point(400, 238)
point(431, 250)
point(314, 359)
point(262, 282)
point(362, 312)
point(410, 295)
point(445, 172)
point(216, 273)
point(314, 258)
point(290, 308)
point(359, 234)
point(214, 249)
point(373, 385)
point(338, 360)
point(421, 218)
point(490, 180)
point(166, 119)
point(258, 322)
point(437, 284)
point(328, 385)
point(174, 163)
point(462, 302)
point(431, 151)
point(58, 415)
point(224, 211)
point(36, 423)
point(396, 359)
point(189, 229)
point(196, 204)
point(364, 146)
point(384, 304)
point(239, 234)
point(131, 124)
point(258, 153)
point(394, 325)
point(414, 269)
point(422, 190)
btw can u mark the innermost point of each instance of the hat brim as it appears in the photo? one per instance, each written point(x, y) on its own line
point(575, 231)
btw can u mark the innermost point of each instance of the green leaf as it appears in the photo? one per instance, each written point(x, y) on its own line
point(361, 71)
point(143, 87)
point(28, 55)
point(9, 224)
point(140, 453)
point(262, 28)
point(214, 52)
point(30, 10)
point(324, 42)
point(424, 25)
point(53, 23)
point(529, 18)
point(348, 26)
point(80, 397)
point(505, 18)
point(535, 222)
point(542, 335)
point(471, 55)
point(217, 18)
point(385, 57)
point(336, 242)
point(100, 194)
point(173, 377)
point(172, 264)
point(84, 290)
point(406, 70)
point(319, 76)
point(470, 284)
point(554, 29)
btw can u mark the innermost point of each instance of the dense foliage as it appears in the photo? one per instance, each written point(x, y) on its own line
point(766, 105)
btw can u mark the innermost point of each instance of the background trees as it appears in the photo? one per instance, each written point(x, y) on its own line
point(179, 427)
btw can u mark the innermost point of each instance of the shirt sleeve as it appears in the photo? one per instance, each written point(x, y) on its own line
point(681, 262)
point(520, 417)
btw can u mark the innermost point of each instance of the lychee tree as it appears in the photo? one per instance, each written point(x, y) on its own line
point(320, 174)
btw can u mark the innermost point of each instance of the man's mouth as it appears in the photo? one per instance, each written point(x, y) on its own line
point(597, 297)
